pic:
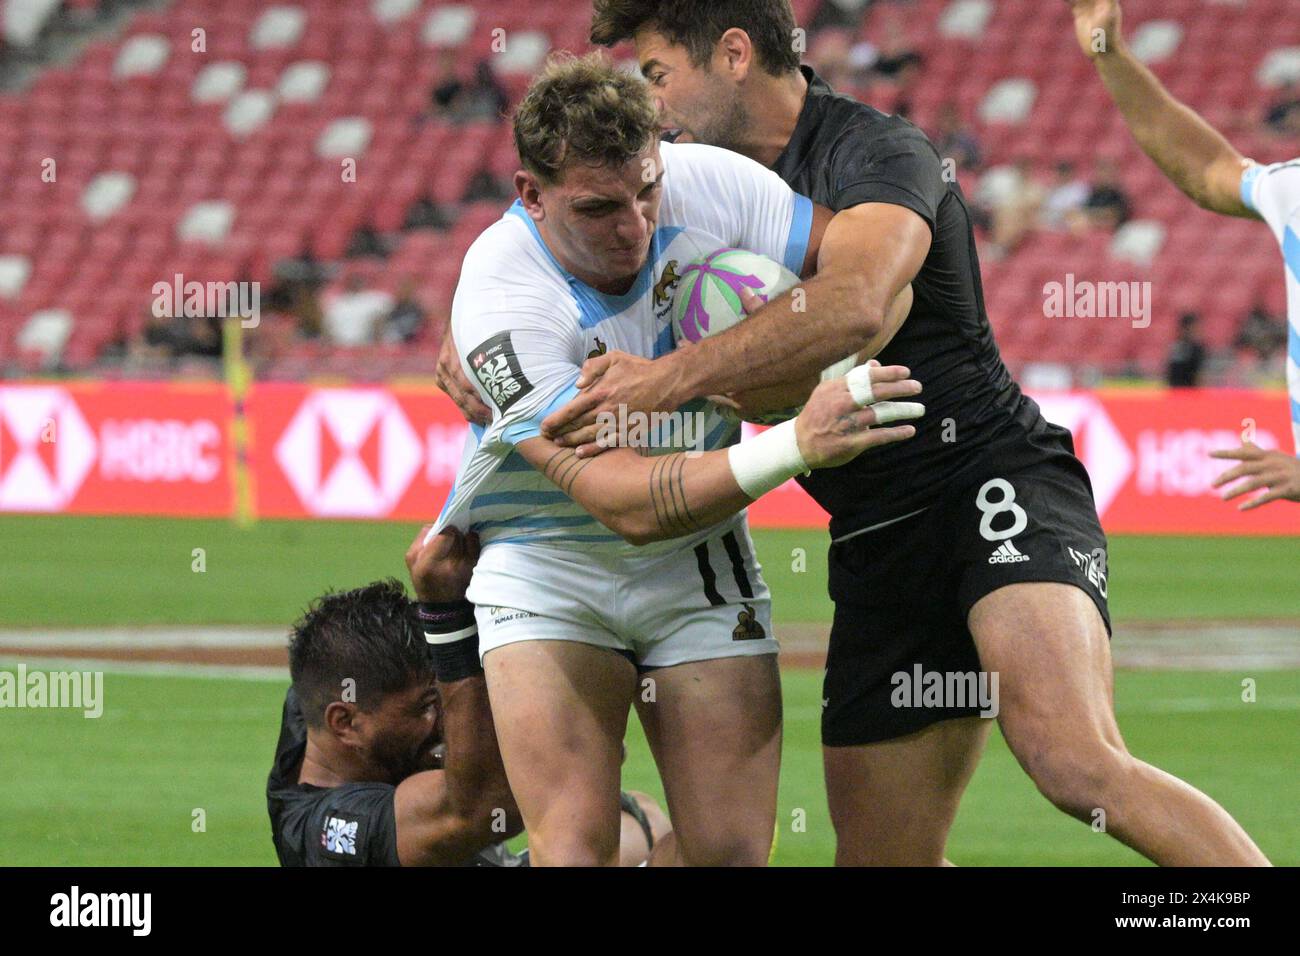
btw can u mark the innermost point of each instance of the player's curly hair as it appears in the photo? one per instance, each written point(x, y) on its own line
point(698, 26)
point(583, 109)
point(370, 635)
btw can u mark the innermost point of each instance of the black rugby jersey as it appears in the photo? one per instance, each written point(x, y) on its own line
point(351, 825)
point(844, 153)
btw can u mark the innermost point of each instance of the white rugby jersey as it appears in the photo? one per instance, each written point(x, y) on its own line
point(1274, 193)
point(524, 325)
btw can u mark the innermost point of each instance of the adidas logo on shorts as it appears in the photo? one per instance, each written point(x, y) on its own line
point(1007, 554)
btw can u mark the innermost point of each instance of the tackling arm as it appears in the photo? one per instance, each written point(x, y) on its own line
point(445, 816)
point(645, 499)
point(867, 257)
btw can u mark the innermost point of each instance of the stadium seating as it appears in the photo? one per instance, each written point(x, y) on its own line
point(160, 150)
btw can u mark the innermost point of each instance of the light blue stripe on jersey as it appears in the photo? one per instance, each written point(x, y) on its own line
point(537, 521)
point(532, 427)
point(796, 247)
point(568, 538)
point(720, 434)
point(520, 498)
point(664, 344)
point(1291, 253)
point(1248, 178)
point(514, 462)
point(477, 431)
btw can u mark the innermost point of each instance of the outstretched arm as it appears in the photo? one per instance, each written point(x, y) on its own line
point(652, 498)
point(1195, 156)
point(445, 816)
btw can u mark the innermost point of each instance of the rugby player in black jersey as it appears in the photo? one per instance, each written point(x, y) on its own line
point(976, 545)
point(387, 754)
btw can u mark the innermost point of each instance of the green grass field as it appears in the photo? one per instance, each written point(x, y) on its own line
point(122, 789)
point(104, 571)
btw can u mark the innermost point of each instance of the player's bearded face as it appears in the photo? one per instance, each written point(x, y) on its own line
point(403, 732)
point(699, 103)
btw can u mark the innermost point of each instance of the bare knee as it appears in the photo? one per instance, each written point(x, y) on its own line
point(1078, 775)
point(726, 847)
point(574, 847)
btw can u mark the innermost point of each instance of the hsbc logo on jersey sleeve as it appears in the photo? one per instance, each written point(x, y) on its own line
point(46, 448)
point(349, 453)
point(497, 367)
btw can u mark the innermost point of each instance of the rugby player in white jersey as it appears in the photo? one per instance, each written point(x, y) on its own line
point(1204, 165)
point(575, 623)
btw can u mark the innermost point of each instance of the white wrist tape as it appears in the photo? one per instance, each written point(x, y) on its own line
point(767, 460)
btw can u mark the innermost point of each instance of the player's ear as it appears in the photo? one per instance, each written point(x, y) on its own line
point(530, 194)
point(734, 53)
point(340, 720)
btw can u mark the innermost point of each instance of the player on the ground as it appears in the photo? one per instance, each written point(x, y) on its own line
point(1204, 165)
point(975, 545)
point(575, 623)
point(383, 761)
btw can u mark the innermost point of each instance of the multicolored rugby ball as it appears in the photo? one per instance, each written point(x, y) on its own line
point(707, 301)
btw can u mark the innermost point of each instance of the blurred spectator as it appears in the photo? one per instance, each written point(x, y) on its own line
point(1284, 115)
point(303, 268)
point(353, 316)
point(1261, 332)
point(482, 98)
point(306, 310)
point(955, 141)
point(179, 336)
point(1011, 198)
point(424, 213)
point(366, 241)
point(1107, 205)
point(829, 55)
point(449, 85)
point(1186, 355)
point(1065, 197)
point(898, 59)
point(406, 318)
point(484, 186)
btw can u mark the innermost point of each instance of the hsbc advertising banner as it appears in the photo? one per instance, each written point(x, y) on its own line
point(116, 448)
point(392, 453)
point(352, 452)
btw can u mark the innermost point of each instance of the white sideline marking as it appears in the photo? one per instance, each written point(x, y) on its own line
point(151, 668)
point(144, 638)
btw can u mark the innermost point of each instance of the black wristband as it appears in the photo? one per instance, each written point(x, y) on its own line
point(445, 618)
point(453, 639)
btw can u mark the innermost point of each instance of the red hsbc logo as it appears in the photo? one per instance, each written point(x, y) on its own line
point(46, 448)
point(349, 453)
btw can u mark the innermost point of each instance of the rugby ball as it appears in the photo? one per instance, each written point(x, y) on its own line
point(707, 301)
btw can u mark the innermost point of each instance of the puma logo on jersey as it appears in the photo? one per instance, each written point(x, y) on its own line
point(1007, 554)
point(598, 350)
point(666, 282)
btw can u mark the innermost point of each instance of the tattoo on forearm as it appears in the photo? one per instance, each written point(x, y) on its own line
point(564, 467)
point(668, 495)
